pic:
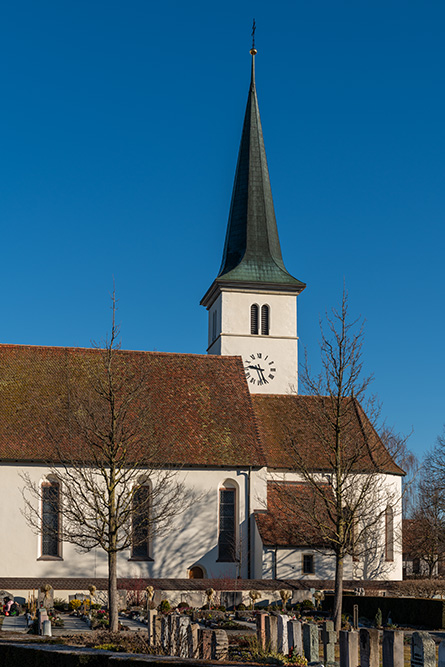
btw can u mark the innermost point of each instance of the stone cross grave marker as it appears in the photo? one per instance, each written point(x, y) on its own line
point(329, 639)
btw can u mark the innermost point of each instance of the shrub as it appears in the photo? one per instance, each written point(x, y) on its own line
point(59, 604)
point(221, 608)
point(164, 606)
point(378, 619)
point(75, 605)
point(183, 605)
point(307, 604)
point(241, 607)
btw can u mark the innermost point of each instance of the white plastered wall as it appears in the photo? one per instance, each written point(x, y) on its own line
point(372, 564)
point(193, 541)
point(233, 335)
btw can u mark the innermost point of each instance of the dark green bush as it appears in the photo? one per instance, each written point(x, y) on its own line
point(164, 606)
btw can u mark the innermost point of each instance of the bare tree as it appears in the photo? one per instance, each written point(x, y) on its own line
point(114, 489)
point(425, 539)
point(344, 503)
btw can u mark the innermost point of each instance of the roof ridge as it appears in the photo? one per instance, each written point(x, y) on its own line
point(119, 351)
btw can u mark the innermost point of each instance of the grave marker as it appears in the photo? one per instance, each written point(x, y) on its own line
point(310, 642)
point(369, 647)
point(423, 650)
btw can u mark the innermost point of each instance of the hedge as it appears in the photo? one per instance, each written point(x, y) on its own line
point(421, 612)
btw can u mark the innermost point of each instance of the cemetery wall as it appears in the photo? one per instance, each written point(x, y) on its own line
point(421, 612)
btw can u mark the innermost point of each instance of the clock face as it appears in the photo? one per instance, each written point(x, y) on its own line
point(259, 369)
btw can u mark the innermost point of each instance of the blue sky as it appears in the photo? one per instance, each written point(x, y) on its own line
point(119, 131)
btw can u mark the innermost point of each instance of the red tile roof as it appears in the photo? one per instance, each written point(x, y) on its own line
point(195, 409)
point(288, 424)
point(283, 525)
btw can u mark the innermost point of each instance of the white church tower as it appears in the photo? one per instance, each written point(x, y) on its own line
point(252, 303)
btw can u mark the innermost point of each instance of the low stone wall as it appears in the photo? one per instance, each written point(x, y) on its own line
point(33, 655)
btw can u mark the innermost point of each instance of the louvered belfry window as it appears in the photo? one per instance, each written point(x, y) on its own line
point(254, 319)
point(50, 519)
point(264, 320)
point(141, 523)
point(227, 536)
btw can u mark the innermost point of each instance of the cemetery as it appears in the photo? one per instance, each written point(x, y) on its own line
point(283, 633)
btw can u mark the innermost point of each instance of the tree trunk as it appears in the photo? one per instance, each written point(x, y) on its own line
point(112, 591)
point(338, 591)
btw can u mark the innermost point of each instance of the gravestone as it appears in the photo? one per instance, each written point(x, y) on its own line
point(392, 648)
point(157, 631)
point(442, 654)
point(423, 650)
point(219, 645)
point(205, 644)
point(193, 640)
point(174, 631)
point(310, 642)
point(182, 649)
point(329, 639)
point(46, 597)
point(165, 634)
point(151, 623)
point(295, 637)
point(369, 647)
point(42, 618)
point(349, 648)
point(282, 621)
point(271, 632)
point(261, 630)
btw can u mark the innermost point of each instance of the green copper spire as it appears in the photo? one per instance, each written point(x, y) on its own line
point(252, 252)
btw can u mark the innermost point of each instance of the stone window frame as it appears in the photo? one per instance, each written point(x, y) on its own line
point(143, 550)
point(50, 482)
point(305, 559)
point(228, 485)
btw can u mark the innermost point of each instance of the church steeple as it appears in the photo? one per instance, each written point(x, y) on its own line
point(252, 302)
point(252, 252)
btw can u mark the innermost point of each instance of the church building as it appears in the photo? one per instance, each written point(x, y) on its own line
point(227, 422)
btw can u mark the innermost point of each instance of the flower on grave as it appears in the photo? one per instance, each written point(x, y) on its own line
point(294, 658)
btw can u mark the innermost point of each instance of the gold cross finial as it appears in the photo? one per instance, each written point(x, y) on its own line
point(253, 50)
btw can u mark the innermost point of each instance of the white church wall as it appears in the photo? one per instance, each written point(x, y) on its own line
point(373, 561)
point(193, 539)
point(287, 563)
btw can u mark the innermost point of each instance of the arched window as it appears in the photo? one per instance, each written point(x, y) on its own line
point(141, 523)
point(254, 319)
point(50, 518)
point(196, 572)
point(264, 320)
point(227, 524)
point(389, 534)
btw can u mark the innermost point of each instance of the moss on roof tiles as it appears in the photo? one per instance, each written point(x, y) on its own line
point(198, 408)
